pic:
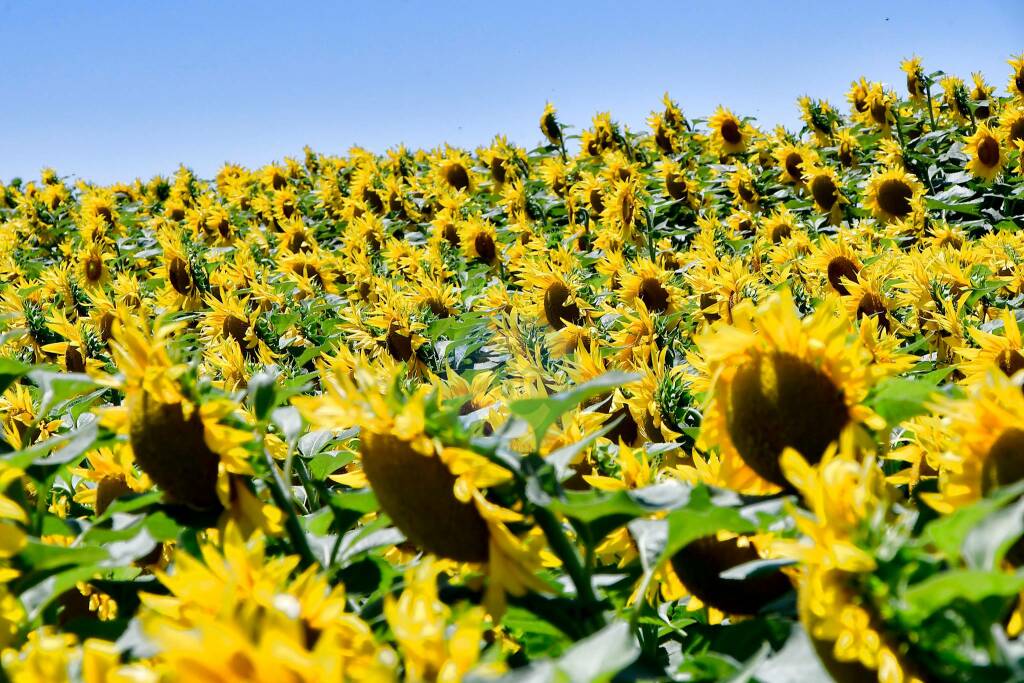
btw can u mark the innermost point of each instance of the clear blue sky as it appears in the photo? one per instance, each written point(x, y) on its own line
point(114, 90)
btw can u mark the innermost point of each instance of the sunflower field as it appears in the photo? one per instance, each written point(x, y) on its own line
point(701, 402)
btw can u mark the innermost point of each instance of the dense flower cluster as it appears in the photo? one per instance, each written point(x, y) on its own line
point(690, 403)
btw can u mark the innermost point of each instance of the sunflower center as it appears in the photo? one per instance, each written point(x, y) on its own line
point(176, 213)
point(73, 359)
point(557, 312)
point(106, 214)
point(451, 234)
point(172, 450)
point(730, 131)
point(988, 151)
point(308, 270)
point(676, 186)
point(872, 305)
point(93, 268)
point(653, 294)
point(235, 328)
point(415, 491)
point(626, 208)
point(700, 564)
point(1010, 361)
point(181, 278)
point(824, 192)
point(485, 248)
point(288, 209)
point(498, 170)
point(707, 301)
point(1017, 130)
point(596, 200)
point(457, 176)
point(879, 112)
point(794, 166)
point(894, 197)
point(1005, 462)
point(838, 268)
point(781, 232)
point(105, 326)
point(108, 490)
point(745, 191)
point(399, 345)
point(777, 400)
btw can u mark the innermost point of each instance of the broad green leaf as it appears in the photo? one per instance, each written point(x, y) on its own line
point(541, 413)
point(973, 585)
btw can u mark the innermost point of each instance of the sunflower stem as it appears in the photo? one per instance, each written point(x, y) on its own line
point(291, 519)
point(928, 93)
point(650, 235)
point(570, 557)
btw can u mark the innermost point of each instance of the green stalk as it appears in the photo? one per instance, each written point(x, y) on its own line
point(570, 558)
point(291, 518)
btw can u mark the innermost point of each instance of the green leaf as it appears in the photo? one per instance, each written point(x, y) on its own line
point(541, 413)
point(10, 371)
point(898, 399)
point(949, 533)
point(973, 585)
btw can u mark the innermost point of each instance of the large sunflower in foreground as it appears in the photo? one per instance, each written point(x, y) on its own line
point(847, 633)
point(185, 447)
point(435, 495)
point(986, 438)
point(780, 382)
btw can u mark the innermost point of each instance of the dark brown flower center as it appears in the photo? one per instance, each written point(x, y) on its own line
point(399, 344)
point(894, 197)
point(1017, 130)
point(872, 305)
point(93, 268)
point(777, 401)
point(1010, 361)
point(485, 248)
point(653, 294)
point(73, 359)
point(415, 491)
point(838, 268)
point(700, 564)
point(794, 166)
point(675, 184)
point(556, 310)
point(457, 176)
point(988, 151)
point(180, 276)
point(730, 131)
point(824, 192)
point(1005, 462)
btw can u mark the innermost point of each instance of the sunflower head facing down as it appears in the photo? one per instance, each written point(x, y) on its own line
point(779, 382)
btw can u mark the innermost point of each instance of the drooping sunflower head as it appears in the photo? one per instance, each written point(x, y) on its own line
point(549, 125)
point(998, 349)
point(915, 77)
point(765, 370)
point(744, 191)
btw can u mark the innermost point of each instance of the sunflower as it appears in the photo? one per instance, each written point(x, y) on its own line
point(228, 319)
point(867, 296)
point(846, 630)
point(915, 78)
point(434, 494)
point(549, 125)
point(728, 133)
point(649, 283)
point(1011, 123)
point(185, 447)
point(555, 293)
point(744, 190)
point(826, 190)
point(893, 194)
point(678, 185)
point(765, 370)
point(479, 240)
point(454, 170)
point(985, 436)
point(838, 262)
point(1016, 83)
point(847, 147)
point(985, 153)
point(792, 161)
point(1004, 352)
